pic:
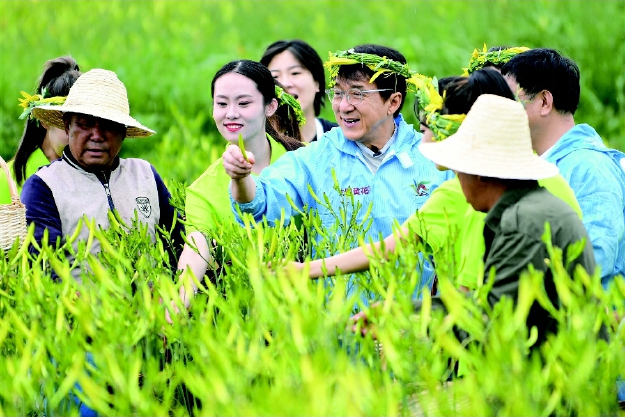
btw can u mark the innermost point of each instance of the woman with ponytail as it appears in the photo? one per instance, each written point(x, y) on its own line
point(41, 144)
point(245, 104)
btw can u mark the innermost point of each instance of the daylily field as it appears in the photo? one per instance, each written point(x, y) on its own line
point(265, 341)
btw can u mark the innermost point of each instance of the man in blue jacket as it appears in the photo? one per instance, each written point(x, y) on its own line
point(548, 85)
point(373, 153)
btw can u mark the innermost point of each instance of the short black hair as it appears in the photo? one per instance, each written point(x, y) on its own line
point(546, 69)
point(392, 81)
point(307, 57)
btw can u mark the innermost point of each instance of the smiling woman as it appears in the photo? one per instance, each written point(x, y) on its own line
point(298, 67)
point(244, 98)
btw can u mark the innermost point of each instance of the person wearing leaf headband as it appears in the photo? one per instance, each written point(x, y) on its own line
point(495, 57)
point(246, 99)
point(446, 220)
point(373, 155)
point(40, 143)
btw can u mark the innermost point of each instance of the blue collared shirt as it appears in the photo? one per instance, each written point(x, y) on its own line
point(596, 174)
point(403, 182)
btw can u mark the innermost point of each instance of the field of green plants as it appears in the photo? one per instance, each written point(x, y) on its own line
point(266, 341)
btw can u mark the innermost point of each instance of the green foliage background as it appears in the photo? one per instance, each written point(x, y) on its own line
point(166, 53)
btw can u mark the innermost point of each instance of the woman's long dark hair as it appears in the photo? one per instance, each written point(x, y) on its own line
point(461, 92)
point(266, 85)
point(307, 57)
point(58, 76)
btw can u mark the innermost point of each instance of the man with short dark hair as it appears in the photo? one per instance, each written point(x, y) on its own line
point(548, 85)
point(373, 152)
point(90, 179)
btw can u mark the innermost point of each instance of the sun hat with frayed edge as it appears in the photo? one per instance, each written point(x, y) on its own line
point(493, 141)
point(96, 93)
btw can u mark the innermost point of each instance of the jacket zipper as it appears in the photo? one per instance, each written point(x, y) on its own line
point(107, 189)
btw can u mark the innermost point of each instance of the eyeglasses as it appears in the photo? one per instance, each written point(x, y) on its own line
point(354, 96)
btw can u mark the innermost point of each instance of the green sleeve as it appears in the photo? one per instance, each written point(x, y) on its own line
point(5, 195)
point(470, 248)
point(441, 215)
point(208, 201)
point(36, 160)
point(560, 188)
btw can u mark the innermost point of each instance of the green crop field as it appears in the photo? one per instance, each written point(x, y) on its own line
point(166, 53)
point(267, 341)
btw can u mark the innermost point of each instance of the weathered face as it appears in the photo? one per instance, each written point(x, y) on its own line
point(94, 142)
point(473, 190)
point(295, 78)
point(238, 108)
point(367, 121)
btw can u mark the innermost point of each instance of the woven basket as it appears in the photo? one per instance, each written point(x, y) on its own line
point(12, 216)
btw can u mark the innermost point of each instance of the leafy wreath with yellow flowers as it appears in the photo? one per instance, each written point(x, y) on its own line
point(480, 58)
point(289, 100)
point(430, 103)
point(378, 64)
point(29, 102)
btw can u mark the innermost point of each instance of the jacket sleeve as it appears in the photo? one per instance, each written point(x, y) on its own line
point(289, 175)
point(599, 193)
point(41, 210)
point(168, 214)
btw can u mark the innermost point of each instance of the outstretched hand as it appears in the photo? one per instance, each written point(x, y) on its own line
point(235, 164)
point(361, 322)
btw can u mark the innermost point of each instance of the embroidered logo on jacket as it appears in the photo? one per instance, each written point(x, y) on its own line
point(143, 204)
point(421, 188)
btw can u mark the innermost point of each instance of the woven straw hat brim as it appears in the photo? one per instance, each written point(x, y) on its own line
point(53, 116)
point(493, 141)
point(97, 93)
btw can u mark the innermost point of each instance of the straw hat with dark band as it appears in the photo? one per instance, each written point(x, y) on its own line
point(493, 141)
point(97, 93)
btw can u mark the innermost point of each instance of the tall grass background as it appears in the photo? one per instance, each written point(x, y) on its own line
point(166, 52)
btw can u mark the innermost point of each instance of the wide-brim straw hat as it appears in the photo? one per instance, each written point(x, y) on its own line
point(493, 141)
point(97, 93)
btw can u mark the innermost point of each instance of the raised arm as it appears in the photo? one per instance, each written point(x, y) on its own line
point(242, 186)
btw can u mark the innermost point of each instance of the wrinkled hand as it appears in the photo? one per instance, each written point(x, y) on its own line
point(235, 165)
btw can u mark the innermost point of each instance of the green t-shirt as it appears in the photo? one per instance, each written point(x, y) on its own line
point(36, 160)
point(447, 219)
point(208, 199)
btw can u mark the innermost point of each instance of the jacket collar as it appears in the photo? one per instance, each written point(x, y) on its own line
point(580, 136)
point(406, 138)
point(509, 198)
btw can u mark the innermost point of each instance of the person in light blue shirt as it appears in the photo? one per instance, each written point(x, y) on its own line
point(548, 85)
point(373, 153)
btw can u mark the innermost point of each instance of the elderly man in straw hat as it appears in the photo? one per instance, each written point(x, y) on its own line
point(498, 171)
point(90, 179)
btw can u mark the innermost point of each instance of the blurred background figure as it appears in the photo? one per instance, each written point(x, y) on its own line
point(299, 69)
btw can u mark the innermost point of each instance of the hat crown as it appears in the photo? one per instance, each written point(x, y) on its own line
point(498, 123)
point(99, 88)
